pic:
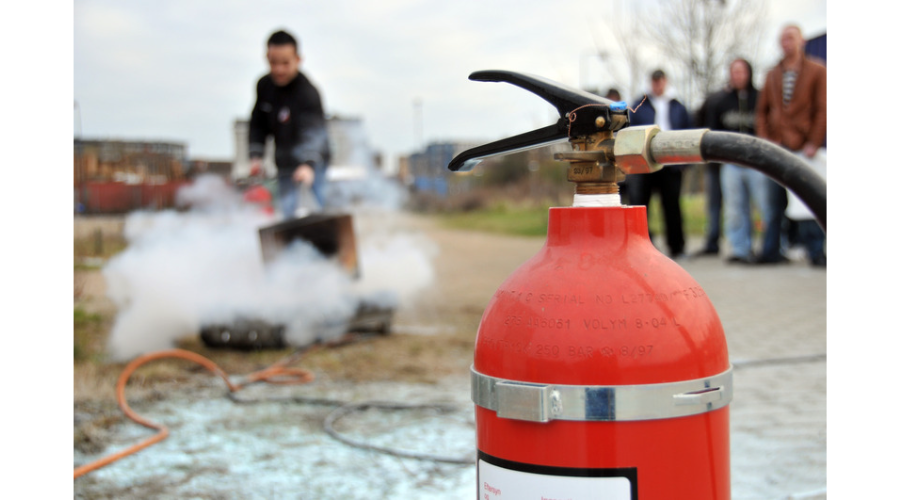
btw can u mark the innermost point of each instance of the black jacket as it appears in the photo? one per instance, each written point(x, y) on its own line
point(293, 115)
point(728, 110)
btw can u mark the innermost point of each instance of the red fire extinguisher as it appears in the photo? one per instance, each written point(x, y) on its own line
point(601, 369)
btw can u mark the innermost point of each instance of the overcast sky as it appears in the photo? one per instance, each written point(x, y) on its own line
point(185, 70)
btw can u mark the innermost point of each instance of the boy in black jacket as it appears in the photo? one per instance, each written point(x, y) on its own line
point(288, 108)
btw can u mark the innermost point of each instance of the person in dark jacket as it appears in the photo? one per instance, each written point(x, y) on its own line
point(712, 175)
point(734, 110)
point(669, 114)
point(289, 109)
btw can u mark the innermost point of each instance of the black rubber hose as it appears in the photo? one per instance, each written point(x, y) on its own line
point(776, 162)
point(353, 407)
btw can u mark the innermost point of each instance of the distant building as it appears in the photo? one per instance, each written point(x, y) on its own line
point(403, 172)
point(240, 167)
point(220, 168)
point(132, 162)
point(116, 176)
point(351, 155)
point(427, 170)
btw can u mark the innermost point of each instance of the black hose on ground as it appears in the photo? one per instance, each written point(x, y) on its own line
point(355, 407)
point(772, 160)
point(345, 408)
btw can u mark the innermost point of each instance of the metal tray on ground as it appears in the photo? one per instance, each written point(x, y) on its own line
point(256, 334)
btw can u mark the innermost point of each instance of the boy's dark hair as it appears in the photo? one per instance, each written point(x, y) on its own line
point(658, 74)
point(283, 38)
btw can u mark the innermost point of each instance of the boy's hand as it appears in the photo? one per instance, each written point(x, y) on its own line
point(255, 167)
point(304, 174)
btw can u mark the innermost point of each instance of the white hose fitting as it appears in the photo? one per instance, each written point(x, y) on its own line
point(597, 200)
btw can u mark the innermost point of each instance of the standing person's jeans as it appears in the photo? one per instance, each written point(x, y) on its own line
point(740, 186)
point(713, 177)
point(289, 191)
point(809, 234)
point(813, 238)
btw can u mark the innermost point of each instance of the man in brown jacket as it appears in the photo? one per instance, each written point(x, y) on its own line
point(790, 112)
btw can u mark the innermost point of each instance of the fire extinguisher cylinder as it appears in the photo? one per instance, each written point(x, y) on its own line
point(602, 358)
point(601, 367)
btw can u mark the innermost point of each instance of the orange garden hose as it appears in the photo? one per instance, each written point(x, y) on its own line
point(278, 373)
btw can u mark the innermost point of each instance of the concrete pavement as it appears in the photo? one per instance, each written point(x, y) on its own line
point(775, 322)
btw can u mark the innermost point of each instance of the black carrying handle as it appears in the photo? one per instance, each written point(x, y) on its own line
point(564, 98)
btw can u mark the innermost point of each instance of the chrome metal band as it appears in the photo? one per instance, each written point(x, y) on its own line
point(545, 402)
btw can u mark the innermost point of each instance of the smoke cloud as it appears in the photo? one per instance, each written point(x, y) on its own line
point(186, 269)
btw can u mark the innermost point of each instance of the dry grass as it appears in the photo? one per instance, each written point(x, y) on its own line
point(392, 357)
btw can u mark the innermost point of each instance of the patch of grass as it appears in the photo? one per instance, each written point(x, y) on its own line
point(526, 220)
point(502, 218)
point(100, 245)
point(393, 357)
point(82, 266)
point(693, 215)
point(88, 328)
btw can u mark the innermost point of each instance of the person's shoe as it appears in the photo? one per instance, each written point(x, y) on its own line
point(796, 253)
point(679, 257)
point(737, 259)
point(778, 259)
point(818, 261)
point(706, 252)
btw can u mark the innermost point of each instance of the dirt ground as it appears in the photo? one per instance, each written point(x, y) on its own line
point(430, 339)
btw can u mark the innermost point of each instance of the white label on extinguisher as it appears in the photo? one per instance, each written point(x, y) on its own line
point(499, 483)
